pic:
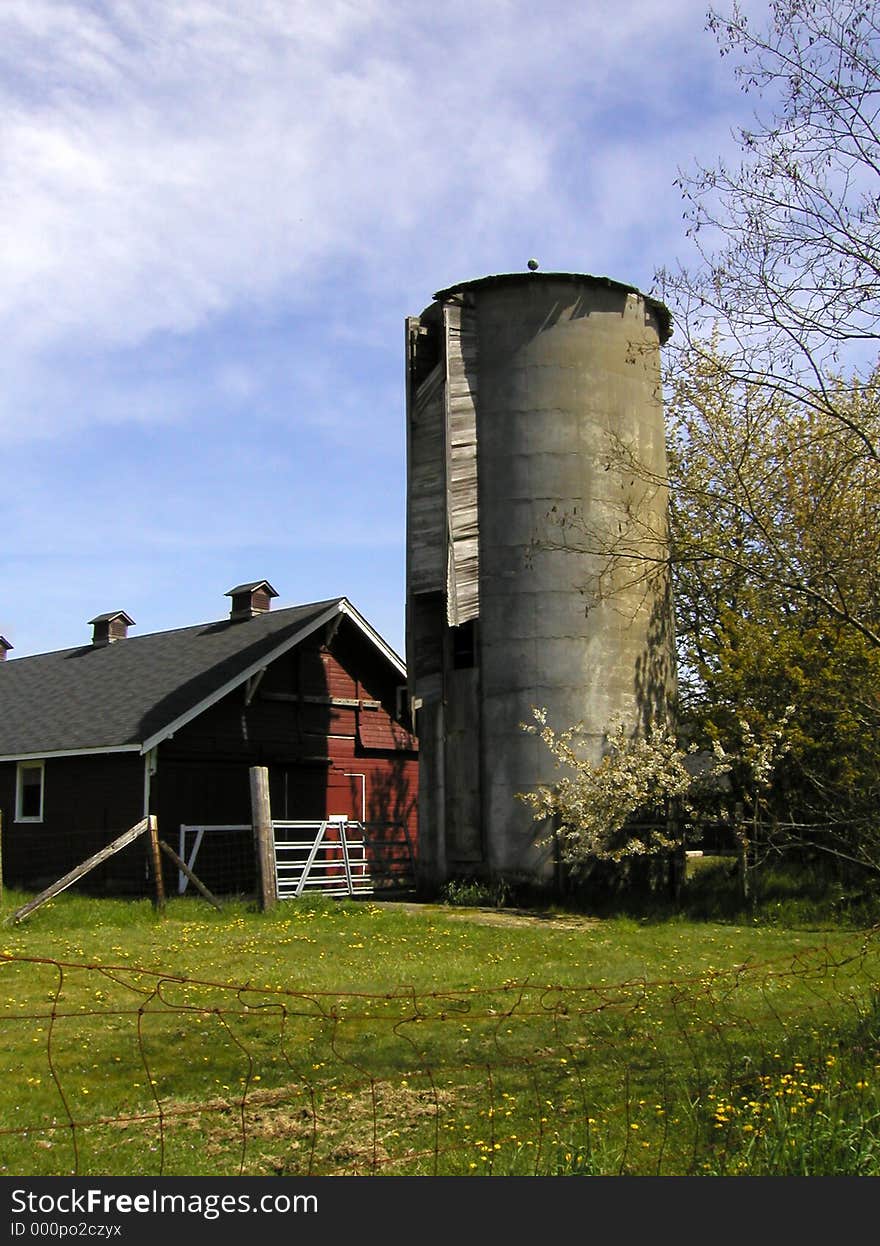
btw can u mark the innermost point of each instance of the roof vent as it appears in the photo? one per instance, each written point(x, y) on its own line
point(110, 627)
point(5, 646)
point(250, 599)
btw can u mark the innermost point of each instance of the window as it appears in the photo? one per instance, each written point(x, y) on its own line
point(29, 792)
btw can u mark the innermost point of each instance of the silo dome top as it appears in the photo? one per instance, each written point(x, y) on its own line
point(661, 311)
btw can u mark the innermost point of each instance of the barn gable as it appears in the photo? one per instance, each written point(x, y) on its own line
point(170, 724)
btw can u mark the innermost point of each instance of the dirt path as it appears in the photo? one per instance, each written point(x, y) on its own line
point(500, 917)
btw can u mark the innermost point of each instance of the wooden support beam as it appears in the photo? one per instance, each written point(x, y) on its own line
point(252, 685)
point(302, 698)
point(126, 838)
point(264, 837)
point(184, 868)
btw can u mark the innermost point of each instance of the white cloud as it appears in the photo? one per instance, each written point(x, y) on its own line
point(214, 217)
point(162, 162)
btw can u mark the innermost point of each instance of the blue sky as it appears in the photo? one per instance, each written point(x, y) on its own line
point(215, 217)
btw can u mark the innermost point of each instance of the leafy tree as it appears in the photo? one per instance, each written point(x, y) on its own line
point(774, 403)
point(810, 696)
point(774, 510)
point(787, 237)
point(775, 523)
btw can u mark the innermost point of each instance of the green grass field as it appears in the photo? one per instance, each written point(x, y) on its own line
point(364, 1037)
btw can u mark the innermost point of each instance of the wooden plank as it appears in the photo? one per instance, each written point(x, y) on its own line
point(430, 384)
point(184, 869)
point(343, 702)
point(126, 838)
point(462, 557)
point(426, 519)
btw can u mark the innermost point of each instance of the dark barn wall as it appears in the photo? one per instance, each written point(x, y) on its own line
point(87, 802)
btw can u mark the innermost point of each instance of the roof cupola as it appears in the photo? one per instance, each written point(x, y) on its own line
point(250, 599)
point(109, 627)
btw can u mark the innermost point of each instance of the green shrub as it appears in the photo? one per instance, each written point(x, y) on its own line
point(476, 893)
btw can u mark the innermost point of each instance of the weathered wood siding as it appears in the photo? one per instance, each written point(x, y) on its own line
point(426, 518)
point(443, 577)
point(426, 618)
point(462, 561)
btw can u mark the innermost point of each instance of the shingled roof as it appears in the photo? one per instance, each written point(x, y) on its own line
point(130, 695)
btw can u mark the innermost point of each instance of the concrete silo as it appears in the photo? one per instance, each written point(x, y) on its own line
point(527, 394)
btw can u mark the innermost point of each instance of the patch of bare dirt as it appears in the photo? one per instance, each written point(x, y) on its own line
point(504, 917)
point(346, 1133)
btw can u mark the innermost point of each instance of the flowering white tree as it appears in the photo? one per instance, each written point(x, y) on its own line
point(621, 806)
point(629, 803)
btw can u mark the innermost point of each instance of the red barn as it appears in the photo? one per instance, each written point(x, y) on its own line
point(94, 738)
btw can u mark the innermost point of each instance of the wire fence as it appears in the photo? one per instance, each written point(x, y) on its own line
point(223, 859)
point(127, 1070)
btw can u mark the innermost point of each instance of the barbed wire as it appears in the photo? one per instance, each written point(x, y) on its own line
point(193, 1076)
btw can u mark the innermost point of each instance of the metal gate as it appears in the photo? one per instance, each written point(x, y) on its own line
point(328, 856)
point(335, 856)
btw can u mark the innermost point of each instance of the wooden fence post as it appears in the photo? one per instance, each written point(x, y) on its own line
point(156, 859)
point(264, 837)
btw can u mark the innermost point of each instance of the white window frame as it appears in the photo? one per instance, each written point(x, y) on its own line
point(19, 789)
